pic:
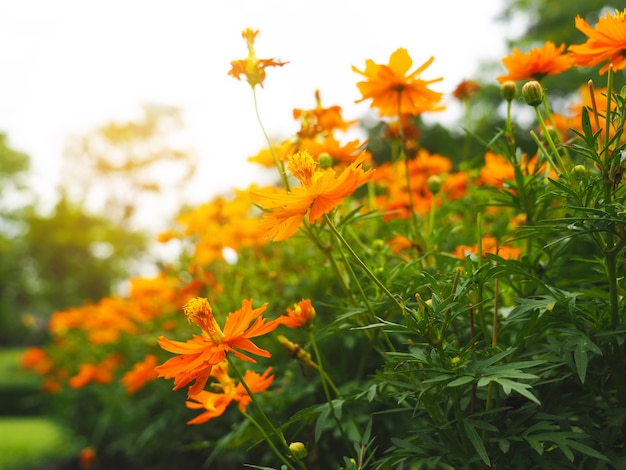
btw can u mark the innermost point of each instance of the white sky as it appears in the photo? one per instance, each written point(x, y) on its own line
point(71, 65)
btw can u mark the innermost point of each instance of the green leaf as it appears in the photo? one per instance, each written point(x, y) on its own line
point(585, 449)
point(476, 441)
point(521, 388)
point(581, 360)
point(464, 379)
point(320, 422)
point(504, 445)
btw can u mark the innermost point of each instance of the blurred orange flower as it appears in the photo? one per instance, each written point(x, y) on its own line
point(141, 373)
point(215, 403)
point(101, 373)
point(251, 67)
point(321, 192)
point(536, 64)
point(319, 120)
point(301, 315)
point(197, 356)
point(36, 359)
point(496, 170)
point(394, 90)
point(489, 245)
point(606, 42)
point(465, 90)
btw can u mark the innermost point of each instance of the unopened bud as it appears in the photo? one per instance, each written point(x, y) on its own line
point(508, 90)
point(434, 184)
point(324, 160)
point(579, 171)
point(532, 92)
point(298, 450)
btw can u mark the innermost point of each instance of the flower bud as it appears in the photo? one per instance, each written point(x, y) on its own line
point(508, 90)
point(579, 171)
point(298, 450)
point(532, 92)
point(434, 184)
point(324, 160)
point(378, 245)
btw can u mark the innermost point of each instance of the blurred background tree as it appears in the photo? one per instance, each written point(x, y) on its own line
point(131, 170)
point(95, 237)
point(56, 260)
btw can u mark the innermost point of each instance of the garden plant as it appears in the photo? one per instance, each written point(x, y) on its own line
point(394, 309)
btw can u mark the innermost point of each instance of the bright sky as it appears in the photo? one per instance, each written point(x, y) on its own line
point(71, 65)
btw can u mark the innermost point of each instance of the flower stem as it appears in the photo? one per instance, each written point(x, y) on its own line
point(273, 430)
point(279, 163)
point(360, 262)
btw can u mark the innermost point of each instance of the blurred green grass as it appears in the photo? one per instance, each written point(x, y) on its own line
point(32, 442)
point(19, 388)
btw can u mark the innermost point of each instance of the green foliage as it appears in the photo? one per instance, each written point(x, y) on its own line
point(487, 330)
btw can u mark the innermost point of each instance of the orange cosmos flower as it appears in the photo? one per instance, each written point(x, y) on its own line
point(301, 315)
point(36, 359)
point(320, 121)
point(100, 373)
point(216, 403)
point(606, 43)
point(87, 458)
point(141, 373)
point(197, 356)
point(536, 64)
point(321, 192)
point(466, 89)
point(489, 245)
point(251, 67)
point(395, 91)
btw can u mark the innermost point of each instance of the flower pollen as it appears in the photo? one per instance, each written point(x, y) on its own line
point(199, 311)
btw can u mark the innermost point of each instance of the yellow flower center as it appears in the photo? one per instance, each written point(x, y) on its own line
point(303, 166)
point(199, 311)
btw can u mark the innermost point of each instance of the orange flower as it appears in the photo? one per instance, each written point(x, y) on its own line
point(197, 356)
point(395, 91)
point(465, 90)
point(536, 64)
point(36, 359)
point(100, 373)
point(606, 42)
point(496, 170)
point(215, 404)
point(141, 373)
point(301, 315)
point(320, 121)
point(321, 192)
point(87, 458)
point(251, 67)
point(489, 245)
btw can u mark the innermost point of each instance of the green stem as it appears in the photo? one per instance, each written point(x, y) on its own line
point(325, 385)
point(282, 458)
point(543, 150)
point(333, 262)
point(552, 145)
point(360, 262)
point(273, 430)
point(279, 164)
point(479, 290)
point(607, 115)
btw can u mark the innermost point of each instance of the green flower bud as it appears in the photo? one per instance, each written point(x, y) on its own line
point(508, 90)
point(434, 184)
point(378, 245)
point(324, 160)
point(579, 171)
point(532, 92)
